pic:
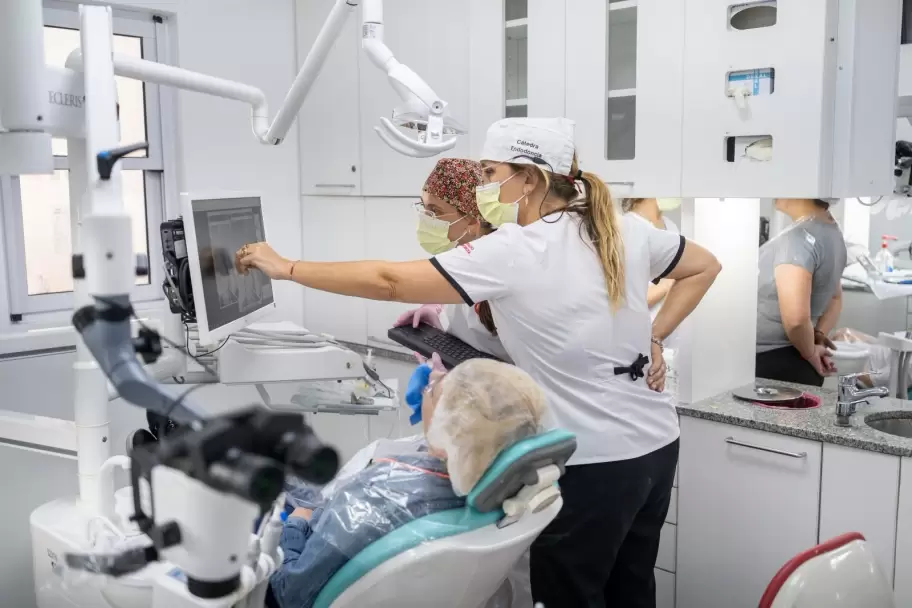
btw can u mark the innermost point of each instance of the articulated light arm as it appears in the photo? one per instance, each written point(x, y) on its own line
point(24, 106)
point(422, 109)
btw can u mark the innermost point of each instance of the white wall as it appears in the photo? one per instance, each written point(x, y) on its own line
point(252, 42)
point(718, 340)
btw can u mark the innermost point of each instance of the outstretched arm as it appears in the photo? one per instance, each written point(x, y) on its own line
point(415, 282)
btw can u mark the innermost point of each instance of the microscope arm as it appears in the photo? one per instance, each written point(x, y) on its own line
point(105, 330)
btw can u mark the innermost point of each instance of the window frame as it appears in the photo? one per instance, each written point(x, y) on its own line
point(157, 183)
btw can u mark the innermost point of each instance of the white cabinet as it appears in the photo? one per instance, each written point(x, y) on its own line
point(547, 50)
point(748, 502)
point(816, 79)
point(859, 493)
point(665, 589)
point(624, 70)
point(666, 558)
point(903, 585)
point(391, 236)
point(344, 318)
point(330, 141)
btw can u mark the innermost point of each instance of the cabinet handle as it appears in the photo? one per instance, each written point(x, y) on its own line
point(334, 185)
point(733, 441)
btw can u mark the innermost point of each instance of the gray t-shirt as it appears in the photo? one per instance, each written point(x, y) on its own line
point(813, 244)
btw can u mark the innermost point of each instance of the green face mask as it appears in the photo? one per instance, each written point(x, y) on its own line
point(434, 233)
point(668, 204)
point(492, 210)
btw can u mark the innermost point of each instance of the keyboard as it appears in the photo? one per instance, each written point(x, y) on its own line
point(426, 340)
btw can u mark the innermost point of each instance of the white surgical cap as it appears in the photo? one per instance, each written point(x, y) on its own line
point(484, 407)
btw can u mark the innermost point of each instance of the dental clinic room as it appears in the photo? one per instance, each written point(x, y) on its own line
point(456, 303)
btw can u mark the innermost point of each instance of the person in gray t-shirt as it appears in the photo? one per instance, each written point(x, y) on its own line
point(799, 294)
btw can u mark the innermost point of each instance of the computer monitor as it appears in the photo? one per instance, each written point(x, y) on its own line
point(216, 226)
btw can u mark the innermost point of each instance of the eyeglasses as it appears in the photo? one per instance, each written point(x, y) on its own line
point(420, 208)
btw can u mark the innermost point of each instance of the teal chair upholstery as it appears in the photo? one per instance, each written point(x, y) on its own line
point(514, 468)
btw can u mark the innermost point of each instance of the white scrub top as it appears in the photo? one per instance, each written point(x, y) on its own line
point(463, 323)
point(671, 341)
point(553, 316)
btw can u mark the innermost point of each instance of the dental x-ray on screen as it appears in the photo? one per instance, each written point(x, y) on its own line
point(226, 300)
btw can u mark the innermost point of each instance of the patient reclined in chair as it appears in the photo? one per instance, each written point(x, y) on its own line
point(469, 416)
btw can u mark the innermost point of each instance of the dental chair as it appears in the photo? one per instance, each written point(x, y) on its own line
point(839, 573)
point(459, 558)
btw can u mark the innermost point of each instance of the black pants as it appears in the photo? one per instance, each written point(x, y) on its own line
point(787, 365)
point(601, 549)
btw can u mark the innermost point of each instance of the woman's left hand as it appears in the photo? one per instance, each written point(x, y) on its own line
point(655, 378)
point(262, 257)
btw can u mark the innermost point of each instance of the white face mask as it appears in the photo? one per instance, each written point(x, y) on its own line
point(492, 210)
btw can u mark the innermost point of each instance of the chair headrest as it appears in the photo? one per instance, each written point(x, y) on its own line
point(518, 465)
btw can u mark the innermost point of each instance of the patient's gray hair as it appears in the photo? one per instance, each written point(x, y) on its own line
point(485, 406)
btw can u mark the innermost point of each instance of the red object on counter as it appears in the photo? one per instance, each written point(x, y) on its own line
point(806, 401)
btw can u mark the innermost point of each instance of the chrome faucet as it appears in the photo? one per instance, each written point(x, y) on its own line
point(849, 396)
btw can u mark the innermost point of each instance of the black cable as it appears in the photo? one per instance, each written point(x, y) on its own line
point(180, 399)
point(214, 350)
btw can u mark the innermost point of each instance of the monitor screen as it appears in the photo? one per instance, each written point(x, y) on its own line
point(222, 226)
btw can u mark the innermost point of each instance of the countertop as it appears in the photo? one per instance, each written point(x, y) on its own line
point(818, 424)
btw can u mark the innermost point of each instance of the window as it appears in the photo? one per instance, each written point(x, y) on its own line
point(37, 209)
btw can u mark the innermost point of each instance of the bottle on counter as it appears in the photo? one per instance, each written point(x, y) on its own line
point(883, 261)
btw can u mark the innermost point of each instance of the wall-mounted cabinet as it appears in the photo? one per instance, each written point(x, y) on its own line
point(340, 152)
point(766, 98)
point(789, 99)
point(330, 141)
point(624, 69)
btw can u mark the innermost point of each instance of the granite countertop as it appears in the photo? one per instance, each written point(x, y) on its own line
point(818, 424)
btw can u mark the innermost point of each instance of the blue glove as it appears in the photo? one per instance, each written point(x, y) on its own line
point(415, 390)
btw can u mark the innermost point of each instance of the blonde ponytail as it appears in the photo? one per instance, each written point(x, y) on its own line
point(599, 218)
point(602, 224)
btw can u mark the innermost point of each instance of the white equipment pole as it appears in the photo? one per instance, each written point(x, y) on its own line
point(105, 242)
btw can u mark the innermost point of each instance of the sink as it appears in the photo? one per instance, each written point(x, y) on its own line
point(892, 423)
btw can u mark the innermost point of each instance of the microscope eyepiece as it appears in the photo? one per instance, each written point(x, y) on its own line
point(311, 460)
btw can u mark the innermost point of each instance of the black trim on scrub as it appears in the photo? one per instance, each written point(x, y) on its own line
point(446, 275)
point(674, 261)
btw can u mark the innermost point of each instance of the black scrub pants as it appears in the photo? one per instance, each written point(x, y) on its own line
point(601, 549)
point(787, 365)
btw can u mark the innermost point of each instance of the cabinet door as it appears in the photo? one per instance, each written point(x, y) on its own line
point(665, 589)
point(727, 41)
point(390, 236)
point(750, 503)
point(330, 141)
point(903, 586)
point(432, 38)
point(859, 493)
point(490, 24)
point(624, 71)
point(343, 317)
point(547, 46)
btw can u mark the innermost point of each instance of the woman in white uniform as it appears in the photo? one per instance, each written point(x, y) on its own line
point(566, 279)
point(653, 211)
point(448, 216)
